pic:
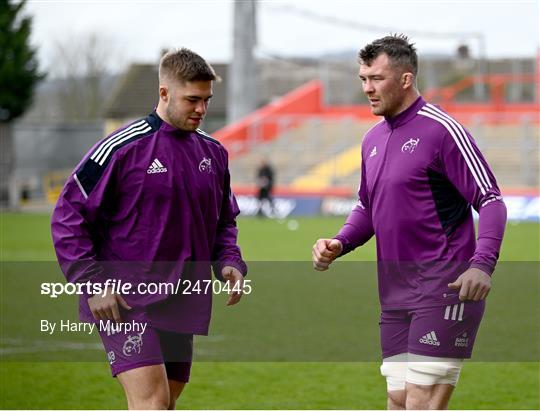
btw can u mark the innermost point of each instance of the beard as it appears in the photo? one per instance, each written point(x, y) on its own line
point(180, 121)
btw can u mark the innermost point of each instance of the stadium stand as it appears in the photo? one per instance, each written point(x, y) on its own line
point(318, 147)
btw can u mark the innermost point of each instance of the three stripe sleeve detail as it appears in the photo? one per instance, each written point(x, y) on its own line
point(105, 149)
point(88, 175)
point(463, 143)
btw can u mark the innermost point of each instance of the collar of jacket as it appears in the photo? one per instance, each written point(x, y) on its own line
point(159, 124)
point(406, 115)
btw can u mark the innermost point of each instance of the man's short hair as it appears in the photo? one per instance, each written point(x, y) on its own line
point(400, 51)
point(185, 65)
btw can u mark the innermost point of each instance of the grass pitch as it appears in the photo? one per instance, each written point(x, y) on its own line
point(259, 385)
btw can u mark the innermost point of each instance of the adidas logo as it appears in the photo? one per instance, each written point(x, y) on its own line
point(156, 167)
point(373, 152)
point(430, 339)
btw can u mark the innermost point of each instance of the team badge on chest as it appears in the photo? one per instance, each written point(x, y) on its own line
point(410, 145)
point(205, 166)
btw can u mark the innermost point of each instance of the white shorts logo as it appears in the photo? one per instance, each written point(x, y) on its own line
point(111, 357)
point(132, 345)
point(462, 341)
point(454, 312)
point(410, 145)
point(430, 339)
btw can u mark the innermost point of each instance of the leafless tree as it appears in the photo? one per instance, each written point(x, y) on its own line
point(84, 61)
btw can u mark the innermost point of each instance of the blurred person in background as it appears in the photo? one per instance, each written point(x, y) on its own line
point(265, 185)
point(422, 173)
point(155, 191)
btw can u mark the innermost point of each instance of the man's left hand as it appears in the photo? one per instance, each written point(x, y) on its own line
point(235, 279)
point(473, 284)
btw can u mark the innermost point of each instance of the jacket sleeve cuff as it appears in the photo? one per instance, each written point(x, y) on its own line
point(347, 247)
point(219, 265)
point(488, 269)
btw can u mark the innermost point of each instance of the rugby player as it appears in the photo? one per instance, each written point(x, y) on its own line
point(421, 175)
point(156, 196)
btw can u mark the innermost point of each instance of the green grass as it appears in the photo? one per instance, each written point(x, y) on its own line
point(26, 237)
point(279, 385)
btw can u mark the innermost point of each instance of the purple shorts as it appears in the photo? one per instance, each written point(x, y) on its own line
point(446, 331)
point(127, 350)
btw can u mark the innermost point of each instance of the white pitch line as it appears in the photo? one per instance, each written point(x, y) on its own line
point(34, 346)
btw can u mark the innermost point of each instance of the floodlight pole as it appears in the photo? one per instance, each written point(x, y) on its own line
point(480, 86)
point(242, 78)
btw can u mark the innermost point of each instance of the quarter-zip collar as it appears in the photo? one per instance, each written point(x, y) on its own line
point(166, 127)
point(406, 115)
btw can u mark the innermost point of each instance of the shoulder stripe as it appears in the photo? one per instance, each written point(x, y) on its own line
point(203, 132)
point(467, 142)
point(207, 136)
point(452, 132)
point(466, 147)
point(80, 186)
point(122, 140)
point(91, 171)
point(103, 146)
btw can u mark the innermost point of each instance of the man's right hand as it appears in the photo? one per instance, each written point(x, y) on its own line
point(107, 308)
point(324, 252)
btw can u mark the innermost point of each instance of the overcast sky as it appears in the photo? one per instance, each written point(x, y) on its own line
point(138, 30)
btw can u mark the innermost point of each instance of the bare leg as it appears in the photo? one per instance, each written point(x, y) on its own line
point(175, 389)
point(396, 399)
point(146, 387)
point(428, 397)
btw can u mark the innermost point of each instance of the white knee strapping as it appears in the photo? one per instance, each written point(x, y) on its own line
point(394, 368)
point(423, 370)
